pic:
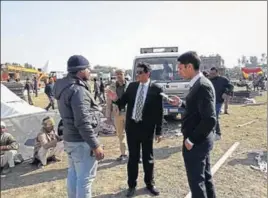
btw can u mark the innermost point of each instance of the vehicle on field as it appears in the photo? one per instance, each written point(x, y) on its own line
point(163, 62)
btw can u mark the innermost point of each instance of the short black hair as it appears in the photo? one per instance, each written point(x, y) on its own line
point(146, 67)
point(190, 57)
point(95, 79)
point(213, 69)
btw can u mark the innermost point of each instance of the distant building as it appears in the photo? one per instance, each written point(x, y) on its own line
point(105, 76)
point(207, 62)
point(104, 69)
point(93, 75)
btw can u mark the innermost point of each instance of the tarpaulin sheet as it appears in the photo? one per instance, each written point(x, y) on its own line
point(25, 129)
point(12, 105)
point(251, 70)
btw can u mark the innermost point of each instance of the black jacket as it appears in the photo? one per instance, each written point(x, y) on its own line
point(28, 86)
point(152, 114)
point(49, 89)
point(199, 118)
point(77, 110)
point(221, 85)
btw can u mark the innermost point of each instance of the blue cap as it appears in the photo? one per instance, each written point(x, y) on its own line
point(77, 63)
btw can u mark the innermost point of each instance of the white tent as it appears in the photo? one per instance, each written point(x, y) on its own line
point(23, 120)
point(13, 106)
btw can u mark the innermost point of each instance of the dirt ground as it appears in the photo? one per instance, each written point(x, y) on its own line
point(234, 179)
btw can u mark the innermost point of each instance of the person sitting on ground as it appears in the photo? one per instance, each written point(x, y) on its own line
point(8, 148)
point(47, 144)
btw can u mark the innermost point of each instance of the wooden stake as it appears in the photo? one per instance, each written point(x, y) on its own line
point(255, 104)
point(220, 162)
point(247, 123)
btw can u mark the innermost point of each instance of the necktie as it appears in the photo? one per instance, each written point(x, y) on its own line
point(139, 105)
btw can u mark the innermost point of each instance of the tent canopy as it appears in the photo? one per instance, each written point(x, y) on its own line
point(13, 106)
point(23, 120)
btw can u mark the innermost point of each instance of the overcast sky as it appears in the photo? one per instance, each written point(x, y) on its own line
point(111, 33)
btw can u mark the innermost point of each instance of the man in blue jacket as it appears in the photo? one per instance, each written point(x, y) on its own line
point(223, 89)
point(77, 110)
point(49, 93)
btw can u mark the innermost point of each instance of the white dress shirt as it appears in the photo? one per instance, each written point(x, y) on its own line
point(145, 90)
point(195, 78)
point(191, 83)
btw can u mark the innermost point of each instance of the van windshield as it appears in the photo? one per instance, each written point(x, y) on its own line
point(163, 68)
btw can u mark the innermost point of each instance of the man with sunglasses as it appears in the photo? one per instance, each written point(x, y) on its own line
point(143, 120)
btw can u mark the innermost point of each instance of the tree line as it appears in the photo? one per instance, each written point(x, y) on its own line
point(253, 60)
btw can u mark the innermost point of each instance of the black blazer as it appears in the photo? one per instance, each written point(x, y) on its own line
point(152, 115)
point(199, 118)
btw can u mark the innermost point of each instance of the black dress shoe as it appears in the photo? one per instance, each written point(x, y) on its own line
point(153, 190)
point(130, 192)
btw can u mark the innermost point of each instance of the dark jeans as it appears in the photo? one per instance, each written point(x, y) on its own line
point(50, 104)
point(138, 137)
point(36, 92)
point(103, 96)
point(197, 164)
point(218, 111)
point(30, 101)
point(98, 95)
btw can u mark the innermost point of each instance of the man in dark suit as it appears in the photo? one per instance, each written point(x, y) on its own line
point(143, 120)
point(198, 123)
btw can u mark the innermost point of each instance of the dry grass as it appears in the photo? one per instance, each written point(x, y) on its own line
point(40, 101)
point(234, 179)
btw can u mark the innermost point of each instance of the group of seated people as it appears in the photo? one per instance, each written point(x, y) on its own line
point(48, 144)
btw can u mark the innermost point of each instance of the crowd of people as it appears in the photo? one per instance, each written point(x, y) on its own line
point(136, 110)
point(32, 86)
